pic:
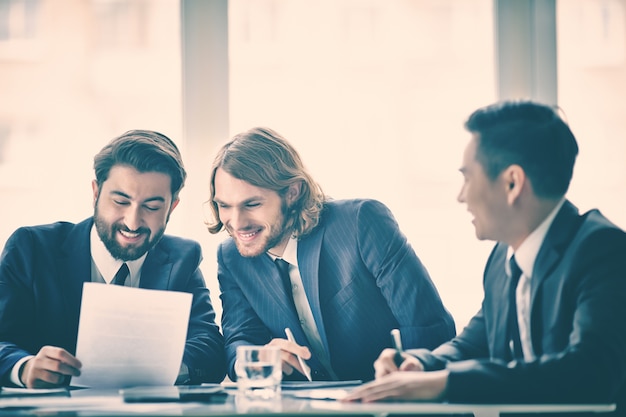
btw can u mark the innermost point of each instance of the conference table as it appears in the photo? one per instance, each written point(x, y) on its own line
point(228, 402)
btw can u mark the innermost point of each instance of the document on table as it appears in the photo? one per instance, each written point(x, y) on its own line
point(130, 336)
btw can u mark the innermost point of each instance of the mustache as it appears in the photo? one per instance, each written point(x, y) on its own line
point(125, 228)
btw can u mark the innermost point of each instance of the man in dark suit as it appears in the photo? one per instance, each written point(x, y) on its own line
point(42, 269)
point(351, 276)
point(558, 335)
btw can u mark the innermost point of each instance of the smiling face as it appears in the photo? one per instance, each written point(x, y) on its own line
point(131, 210)
point(486, 199)
point(253, 216)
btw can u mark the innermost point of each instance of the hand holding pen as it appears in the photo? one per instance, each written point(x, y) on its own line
point(397, 344)
point(396, 359)
point(306, 371)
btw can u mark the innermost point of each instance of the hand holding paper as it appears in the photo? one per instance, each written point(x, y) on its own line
point(130, 336)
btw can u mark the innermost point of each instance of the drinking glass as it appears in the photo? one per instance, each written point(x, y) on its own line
point(259, 371)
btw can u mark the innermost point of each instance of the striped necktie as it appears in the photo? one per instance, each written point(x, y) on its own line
point(283, 270)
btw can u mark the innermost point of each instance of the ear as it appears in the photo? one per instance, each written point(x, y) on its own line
point(174, 204)
point(293, 192)
point(514, 179)
point(96, 191)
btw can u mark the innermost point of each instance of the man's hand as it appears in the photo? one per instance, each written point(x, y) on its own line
point(288, 354)
point(428, 386)
point(49, 368)
point(385, 363)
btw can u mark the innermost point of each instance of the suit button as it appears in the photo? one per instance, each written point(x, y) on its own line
point(319, 375)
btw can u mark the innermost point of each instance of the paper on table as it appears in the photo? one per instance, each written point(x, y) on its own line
point(130, 336)
point(294, 385)
point(320, 394)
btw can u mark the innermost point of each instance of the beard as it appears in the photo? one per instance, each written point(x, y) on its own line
point(277, 232)
point(107, 233)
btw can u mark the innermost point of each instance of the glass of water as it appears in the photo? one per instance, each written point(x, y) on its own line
point(259, 371)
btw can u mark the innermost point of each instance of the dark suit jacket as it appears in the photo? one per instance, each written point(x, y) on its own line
point(42, 271)
point(578, 323)
point(362, 279)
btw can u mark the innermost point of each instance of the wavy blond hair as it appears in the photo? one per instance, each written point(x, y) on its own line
point(263, 158)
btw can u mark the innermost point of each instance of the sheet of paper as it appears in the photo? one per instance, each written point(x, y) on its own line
point(308, 385)
point(320, 394)
point(130, 336)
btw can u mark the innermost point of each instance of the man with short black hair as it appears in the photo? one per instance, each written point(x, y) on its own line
point(551, 328)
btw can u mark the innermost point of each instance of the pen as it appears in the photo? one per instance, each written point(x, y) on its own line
point(397, 344)
point(304, 366)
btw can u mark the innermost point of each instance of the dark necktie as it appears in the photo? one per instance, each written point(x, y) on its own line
point(121, 275)
point(516, 343)
point(283, 270)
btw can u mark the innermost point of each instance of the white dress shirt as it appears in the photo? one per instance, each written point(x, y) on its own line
point(303, 307)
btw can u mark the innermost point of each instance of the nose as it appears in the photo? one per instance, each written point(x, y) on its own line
point(132, 217)
point(461, 196)
point(235, 219)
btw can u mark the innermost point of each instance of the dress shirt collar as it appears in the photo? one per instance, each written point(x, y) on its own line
point(290, 254)
point(526, 254)
point(107, 265)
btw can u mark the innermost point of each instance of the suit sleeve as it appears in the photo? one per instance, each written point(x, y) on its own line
point(402, 278)
point(591, 368)
point(204, 348)
point(470, 343)
point(16, 306)
point(241, 324)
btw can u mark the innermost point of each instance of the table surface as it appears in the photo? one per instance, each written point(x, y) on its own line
point(96, 403)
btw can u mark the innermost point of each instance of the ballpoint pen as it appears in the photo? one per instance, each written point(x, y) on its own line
point(397, 344)
point(304, 366)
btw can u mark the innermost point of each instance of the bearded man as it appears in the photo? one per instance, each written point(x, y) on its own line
point(42, 268)
point(340, 274)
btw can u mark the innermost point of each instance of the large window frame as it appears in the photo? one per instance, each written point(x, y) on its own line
point(525, 32)
point(526, 60)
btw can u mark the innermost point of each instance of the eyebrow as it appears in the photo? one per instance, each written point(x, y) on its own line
point(147, 200)
point(244, 202)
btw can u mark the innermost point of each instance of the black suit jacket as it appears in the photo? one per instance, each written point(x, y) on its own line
point(42, 271)
point(578, 323)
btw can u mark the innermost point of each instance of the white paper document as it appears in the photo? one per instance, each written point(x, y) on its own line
point(130, 336)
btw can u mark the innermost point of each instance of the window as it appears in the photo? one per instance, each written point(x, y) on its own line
point(373, 95)
point(592, 85)
point(59, 109)
point(19, 29)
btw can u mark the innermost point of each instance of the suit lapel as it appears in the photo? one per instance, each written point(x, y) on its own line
point(308, 262)
point(264, 270)
point(561, 232)
point(156, 270)
point(75, 269)
point(499, 288)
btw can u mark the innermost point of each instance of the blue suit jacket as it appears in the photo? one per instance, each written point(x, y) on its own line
point(578, 323)
point(362, 279)
point(42, 271)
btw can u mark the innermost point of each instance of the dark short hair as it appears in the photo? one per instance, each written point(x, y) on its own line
point(263, 158)
point(530, 135)
point(146, 151)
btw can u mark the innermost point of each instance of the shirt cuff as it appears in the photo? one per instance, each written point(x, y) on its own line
point(15, 372)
